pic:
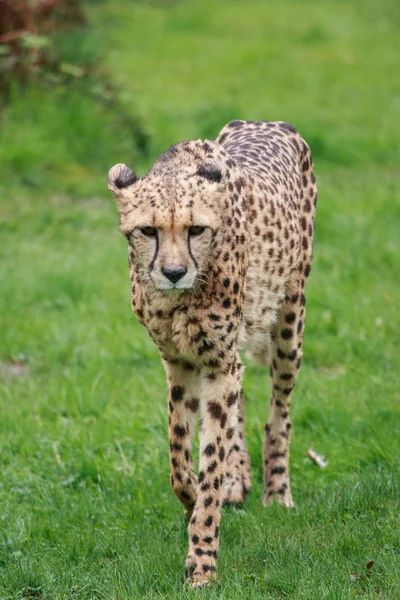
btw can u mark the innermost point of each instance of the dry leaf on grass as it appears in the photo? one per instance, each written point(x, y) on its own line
point(317, 458)
point(357, 577)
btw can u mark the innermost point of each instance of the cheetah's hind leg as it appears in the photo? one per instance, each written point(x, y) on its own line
point(237, 482)
point(285, 365)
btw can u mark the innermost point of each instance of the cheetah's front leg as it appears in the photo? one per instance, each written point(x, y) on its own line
point(183, 402)
point(237, 482)
point(218, 420)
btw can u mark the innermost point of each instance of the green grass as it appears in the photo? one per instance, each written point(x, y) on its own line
point(86, 511)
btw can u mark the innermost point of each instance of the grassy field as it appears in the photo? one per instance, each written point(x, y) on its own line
point(86, 511)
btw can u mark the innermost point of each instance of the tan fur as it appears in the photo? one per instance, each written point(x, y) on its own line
point(253, 190)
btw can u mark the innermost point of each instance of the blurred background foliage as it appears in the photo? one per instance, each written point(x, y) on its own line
point(60, 111)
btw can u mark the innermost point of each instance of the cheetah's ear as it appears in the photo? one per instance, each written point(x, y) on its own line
point(209, 171)
point(120, 177)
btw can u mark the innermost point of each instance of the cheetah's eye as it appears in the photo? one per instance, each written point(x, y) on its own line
point(196, 230)
point(149, 231)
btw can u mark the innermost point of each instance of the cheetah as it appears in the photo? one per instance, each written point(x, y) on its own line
point(220, 246)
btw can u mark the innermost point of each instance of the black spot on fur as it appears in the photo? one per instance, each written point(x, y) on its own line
point(278, 470)
point(176, 447)
point(287, 333)
point(207, 568)
point(192, 404)
point(286, 376)
point(215, 410)
point(180, 431)
point(230, 432)
point(231, 399)
point(209, 450)
point(277, 455)
point(177, 393)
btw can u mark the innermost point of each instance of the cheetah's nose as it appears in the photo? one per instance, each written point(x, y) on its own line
point(174, 275)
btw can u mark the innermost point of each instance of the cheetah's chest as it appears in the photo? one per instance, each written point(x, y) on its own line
point(198, 336)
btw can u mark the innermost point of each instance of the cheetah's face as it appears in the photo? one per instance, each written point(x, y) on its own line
point(171, 229)
point(173, 255)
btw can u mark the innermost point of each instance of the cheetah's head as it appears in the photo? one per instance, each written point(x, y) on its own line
point(172, 216)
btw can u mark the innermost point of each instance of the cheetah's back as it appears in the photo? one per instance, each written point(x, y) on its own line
point(276, 163)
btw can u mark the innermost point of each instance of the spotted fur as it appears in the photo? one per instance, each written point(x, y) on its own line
point(220, 246)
